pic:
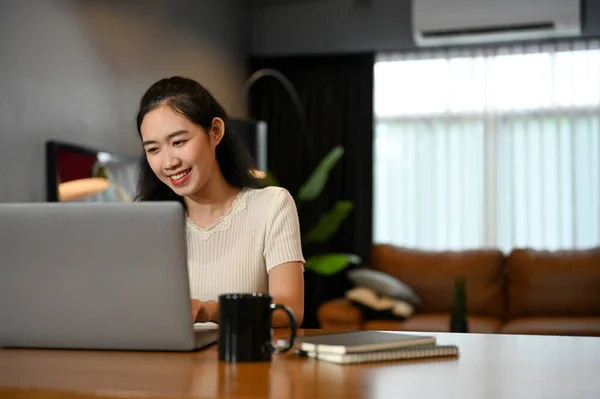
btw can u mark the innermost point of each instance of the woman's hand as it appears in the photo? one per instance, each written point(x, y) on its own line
point(203, 312)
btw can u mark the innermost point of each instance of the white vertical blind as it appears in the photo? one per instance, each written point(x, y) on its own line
point(489, 148)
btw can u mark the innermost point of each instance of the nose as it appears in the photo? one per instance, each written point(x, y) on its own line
point(171, 161)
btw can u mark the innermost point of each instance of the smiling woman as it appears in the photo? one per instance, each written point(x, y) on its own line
point(241, 238)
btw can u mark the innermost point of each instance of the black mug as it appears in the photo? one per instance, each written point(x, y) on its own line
point(245, 328)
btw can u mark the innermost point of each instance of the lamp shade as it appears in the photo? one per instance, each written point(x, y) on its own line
point(81, 188)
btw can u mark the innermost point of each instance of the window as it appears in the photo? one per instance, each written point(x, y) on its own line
point(488, 148)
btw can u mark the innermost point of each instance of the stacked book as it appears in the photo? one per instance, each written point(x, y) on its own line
point(372, 346)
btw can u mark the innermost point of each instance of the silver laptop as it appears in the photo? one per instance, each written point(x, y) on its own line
point(102, 276)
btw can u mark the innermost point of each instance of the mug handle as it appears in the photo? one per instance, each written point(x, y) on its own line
point(293, 327)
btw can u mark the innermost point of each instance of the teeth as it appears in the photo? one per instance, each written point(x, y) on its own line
point(179, 176)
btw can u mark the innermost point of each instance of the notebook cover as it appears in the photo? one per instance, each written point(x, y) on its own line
point(360, 341)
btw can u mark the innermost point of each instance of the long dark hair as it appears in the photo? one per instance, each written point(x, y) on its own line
point(190, 99)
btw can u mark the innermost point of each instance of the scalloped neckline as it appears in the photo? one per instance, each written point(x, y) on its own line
point(223, 222)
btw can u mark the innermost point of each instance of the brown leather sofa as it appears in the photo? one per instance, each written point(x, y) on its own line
point(526, 292)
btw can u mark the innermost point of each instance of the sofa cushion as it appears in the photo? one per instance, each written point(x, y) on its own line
point(384, 284)
point(561, 283)
point(431, 276)
point(584, 326)
point(435, 323)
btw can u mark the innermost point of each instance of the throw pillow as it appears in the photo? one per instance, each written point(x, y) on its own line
point(384, 285)
point(379, 307)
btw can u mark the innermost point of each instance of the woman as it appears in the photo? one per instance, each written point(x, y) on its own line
point(241, 238)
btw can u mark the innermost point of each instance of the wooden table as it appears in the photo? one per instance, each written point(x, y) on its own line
point(490, 366)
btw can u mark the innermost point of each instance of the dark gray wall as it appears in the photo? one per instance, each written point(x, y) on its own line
point(334, 26)
point(75, 69)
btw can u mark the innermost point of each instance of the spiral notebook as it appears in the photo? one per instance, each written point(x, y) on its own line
point(361, 341)
point(410, 353)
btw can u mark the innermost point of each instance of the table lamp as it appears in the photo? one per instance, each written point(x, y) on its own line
point(77, 189)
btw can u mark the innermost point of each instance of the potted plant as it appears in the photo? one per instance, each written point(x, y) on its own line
point(324, 264)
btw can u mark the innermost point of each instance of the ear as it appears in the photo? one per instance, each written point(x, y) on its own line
point(217, 131)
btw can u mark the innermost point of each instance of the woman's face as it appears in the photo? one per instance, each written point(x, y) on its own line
point(180, 153)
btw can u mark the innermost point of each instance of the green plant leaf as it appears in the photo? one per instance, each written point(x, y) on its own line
point(329, 264)
point(313, 187)
point(329, 223)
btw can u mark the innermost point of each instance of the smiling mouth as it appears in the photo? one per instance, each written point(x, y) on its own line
point(180, 178)
point(180, 175)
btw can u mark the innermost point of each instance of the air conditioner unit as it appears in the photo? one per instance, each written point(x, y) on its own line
point(457, 22)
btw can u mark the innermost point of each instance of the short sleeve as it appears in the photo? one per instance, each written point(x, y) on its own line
point(283, 241)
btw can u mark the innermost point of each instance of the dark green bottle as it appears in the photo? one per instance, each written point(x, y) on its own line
point(458, 319)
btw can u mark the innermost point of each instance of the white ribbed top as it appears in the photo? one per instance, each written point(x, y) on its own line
point(260, 231)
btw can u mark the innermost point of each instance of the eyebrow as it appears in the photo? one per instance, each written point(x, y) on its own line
point(170, 136)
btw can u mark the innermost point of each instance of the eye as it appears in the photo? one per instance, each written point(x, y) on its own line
point(152, 150)
point(179, 143)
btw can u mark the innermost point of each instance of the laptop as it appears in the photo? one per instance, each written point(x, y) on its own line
point(97, 276)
